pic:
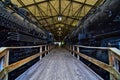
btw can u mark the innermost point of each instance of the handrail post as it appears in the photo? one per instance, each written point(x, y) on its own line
point(111, 62)
point(73, 50)
point(48, 49)
point(40, 52)
point(45, 49)
point(6, 63)
point(49, 46)
point(70, 48)
point(78, 57)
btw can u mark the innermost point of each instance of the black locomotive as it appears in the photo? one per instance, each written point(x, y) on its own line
point(17, 29)
point(100, 28)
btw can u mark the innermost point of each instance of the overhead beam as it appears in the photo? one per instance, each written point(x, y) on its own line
point(81, 3)
point(79, 10)
point(68, 25)
point(59, 23)
point(66, 7)
point(40, 11)
point(29, 5)
point(69, 9)
point(53, 8)
point(98, 3)
point(51, 24)
point(30, 12)
point(57, 16)
point(59, 7)
point(47, 17)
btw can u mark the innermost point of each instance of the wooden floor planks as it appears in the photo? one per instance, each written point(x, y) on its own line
point(59, 64)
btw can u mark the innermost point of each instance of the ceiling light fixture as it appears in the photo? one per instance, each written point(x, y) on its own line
point(59, 18)
point(59, 28)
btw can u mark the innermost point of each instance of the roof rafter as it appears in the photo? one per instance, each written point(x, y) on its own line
point(79, 11)
point(41, 11)
point(81, 3)
point(57, 16)
point(41, 2)
point(30, 12)
point(59, 23)
point(51, 24)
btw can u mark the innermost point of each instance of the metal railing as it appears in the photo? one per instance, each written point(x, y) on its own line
point(114, 54)
point(4, 56)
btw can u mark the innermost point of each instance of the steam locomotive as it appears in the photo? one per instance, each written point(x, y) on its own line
point(100, 28)
point(17, 29)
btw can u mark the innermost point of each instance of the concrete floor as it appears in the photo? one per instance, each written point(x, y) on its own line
point(59, 64)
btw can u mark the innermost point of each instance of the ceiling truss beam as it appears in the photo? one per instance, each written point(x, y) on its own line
point(29, 5)
point(62, 16)
point(81, 3)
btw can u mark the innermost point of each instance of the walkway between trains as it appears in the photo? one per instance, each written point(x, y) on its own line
point(59, 65)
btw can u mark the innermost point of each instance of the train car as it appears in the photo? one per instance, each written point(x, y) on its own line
point(100, 28)
point(18, 29)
